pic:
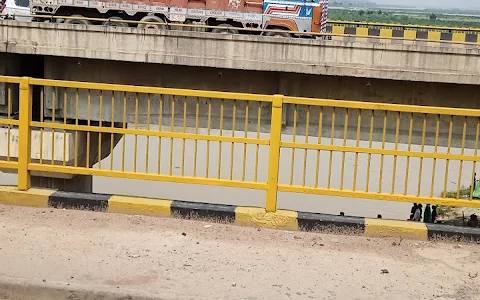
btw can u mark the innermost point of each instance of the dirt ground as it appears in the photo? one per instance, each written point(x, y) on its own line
point(179, 259)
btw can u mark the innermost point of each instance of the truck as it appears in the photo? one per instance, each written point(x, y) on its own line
point(287, 17)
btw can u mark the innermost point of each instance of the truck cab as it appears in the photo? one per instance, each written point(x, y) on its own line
point(292, 15)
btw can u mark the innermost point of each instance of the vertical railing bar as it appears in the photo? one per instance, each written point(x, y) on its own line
point(245, 144)
point(259, 114)
point(89, 122)
point(234, 121)
point(64, 131)
point(76, 131)
point(53, 121)
point(112, 136)
point(99, 133)
point(9, 116)
point(197, 112)
point(370, 143)
point(474, 166)
point(410, 133)
point(184, 131)
point(424, 130)
point(307, 123)
point(160, 128)
point(209, 122)
point(345, 132)
point(462, 152)
point(437, 130)
point(135, 137)
point(124, 126)
point(319, 141)
point(147, 142)
point(172, 129)
point(394, 172)
point(447, 163)
point(274, 153)
point(357, 144)
point(42, 113)
point(382, 157)
point(220, 142)
point(332, 136)
point(292, 167)
point(25, 134)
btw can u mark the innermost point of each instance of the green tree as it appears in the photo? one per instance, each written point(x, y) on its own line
point(362, 12)
point(433, 17)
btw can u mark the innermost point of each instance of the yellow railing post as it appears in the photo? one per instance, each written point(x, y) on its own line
point(24, 149)
point(274, 154)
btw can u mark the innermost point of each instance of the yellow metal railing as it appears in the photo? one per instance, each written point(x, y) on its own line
point(328, 147)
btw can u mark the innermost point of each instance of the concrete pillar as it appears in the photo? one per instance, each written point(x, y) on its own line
point(79, 183)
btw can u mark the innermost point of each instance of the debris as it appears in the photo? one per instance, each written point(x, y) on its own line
point(457, 246)
point(297, 237)
point(259, 229)
point(234, 284)
point(363, 286)
point(44, 280)
point(473, 276)
point(133, 255)
point(394, 244)
point(184, 234)
point(400, 241)
point(207, 226)
point(335, 241)
point(187, 265)
point(384, 271)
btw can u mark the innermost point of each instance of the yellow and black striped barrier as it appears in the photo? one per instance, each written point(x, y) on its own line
point(400, 31)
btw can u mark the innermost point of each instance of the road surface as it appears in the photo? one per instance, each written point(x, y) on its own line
point(180, 259)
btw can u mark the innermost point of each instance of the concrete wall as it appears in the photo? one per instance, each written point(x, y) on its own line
point(303, 56)
point(348, 88)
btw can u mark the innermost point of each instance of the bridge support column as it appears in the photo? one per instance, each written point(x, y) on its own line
point(79, 183)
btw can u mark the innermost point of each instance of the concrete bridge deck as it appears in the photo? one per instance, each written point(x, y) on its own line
point(303, 56)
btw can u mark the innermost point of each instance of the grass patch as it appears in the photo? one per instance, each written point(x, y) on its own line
point(464, 192)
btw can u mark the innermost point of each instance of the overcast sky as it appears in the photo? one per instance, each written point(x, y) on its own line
point(433, 3)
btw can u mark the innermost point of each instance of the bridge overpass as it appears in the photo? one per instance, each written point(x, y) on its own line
point(409, 73)
point(361, 71)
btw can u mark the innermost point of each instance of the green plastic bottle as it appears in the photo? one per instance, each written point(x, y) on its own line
point(427, 215)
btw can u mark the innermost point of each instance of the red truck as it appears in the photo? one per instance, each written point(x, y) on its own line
point(287, 16)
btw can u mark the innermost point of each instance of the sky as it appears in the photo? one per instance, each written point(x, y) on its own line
point(433, 3)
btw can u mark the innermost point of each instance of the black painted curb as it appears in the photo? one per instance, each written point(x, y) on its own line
point(440, 231)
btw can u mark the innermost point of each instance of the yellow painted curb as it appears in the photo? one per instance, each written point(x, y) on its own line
point(9, 195)
point(251, 216)
point(392, 228)
point(139, 206)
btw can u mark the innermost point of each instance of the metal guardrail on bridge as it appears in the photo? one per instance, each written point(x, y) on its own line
point(244, 156)
point(411, 32)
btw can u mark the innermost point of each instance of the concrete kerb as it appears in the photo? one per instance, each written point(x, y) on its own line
point(245, 216)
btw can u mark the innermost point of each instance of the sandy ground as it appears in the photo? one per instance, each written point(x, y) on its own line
point(179, 259)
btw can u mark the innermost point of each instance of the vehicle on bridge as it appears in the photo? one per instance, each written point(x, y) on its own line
point(15, 9)
point(228, 15)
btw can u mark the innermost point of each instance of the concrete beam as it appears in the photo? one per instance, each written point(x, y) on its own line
point(334, 58)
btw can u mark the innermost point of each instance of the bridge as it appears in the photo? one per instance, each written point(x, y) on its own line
point(240, 122)
point(77, 124)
